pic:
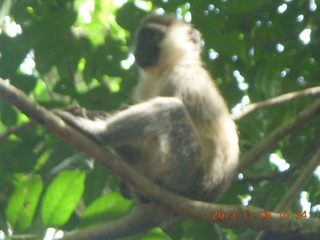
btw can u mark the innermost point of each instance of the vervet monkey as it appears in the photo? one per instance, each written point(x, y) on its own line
point(179, 133)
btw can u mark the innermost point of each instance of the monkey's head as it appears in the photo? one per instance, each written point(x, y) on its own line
point(164, 40)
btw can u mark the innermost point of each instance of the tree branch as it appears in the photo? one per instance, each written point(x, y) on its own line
point(195, 209)
point(269, 142)
point(276, 101)
point(297, 187)
point(280, 176)
point(273, 176)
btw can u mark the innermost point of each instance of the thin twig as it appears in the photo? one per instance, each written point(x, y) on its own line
point(297, 187)
point(279, 176)
point(273, 176)
point(276, 101)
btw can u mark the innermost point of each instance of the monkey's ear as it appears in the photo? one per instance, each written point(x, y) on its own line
point(195, 36)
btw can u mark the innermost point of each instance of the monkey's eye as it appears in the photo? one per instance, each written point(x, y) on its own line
point(152, 36)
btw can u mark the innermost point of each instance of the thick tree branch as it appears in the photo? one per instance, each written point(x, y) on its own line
point(270, 142)
point(198, 210)
point(276, 101)
point(141, 220)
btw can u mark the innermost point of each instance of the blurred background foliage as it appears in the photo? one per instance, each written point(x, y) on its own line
point(63, 52)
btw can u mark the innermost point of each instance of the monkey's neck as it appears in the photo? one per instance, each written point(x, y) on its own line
point(148, 86)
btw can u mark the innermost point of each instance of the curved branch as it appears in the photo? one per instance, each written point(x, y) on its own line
point(198, 210)
point(139, 221)
point(269, 142)
point(276, 101)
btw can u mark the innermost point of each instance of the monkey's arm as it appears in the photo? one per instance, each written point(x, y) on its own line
point(81, 122)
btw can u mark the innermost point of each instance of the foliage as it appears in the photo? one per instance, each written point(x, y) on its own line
point(62, 52)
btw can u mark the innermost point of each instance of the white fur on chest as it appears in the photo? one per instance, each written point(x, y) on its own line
point(149, 87)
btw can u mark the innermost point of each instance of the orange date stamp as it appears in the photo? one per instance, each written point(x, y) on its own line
point(220, 214)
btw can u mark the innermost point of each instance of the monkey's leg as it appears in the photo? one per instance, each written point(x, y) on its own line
point(164, 130)
point(170, 149)
point(161, 115)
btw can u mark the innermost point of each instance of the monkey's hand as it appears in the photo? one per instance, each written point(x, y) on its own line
point(76, 110)
point(78, 118)
point(79, 111)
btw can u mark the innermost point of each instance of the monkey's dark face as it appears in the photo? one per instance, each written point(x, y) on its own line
point(163, 42)
point(147, 51)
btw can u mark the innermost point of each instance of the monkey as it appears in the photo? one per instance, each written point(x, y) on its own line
point(179, 132)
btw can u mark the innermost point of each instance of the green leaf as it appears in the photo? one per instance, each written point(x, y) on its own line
point(155, 233)
point(13, 51)
point(23, 202)
point(105, 208)
point(24, 82)
point(62, 197)
point(18, 153)
point(8, 116)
